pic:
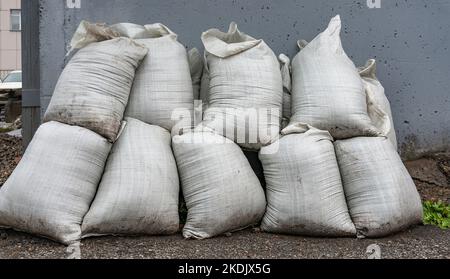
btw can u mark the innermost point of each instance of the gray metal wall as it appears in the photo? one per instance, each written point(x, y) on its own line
point(409, 38)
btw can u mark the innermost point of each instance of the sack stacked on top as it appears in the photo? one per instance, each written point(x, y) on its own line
point(162, 90)
point(327, 91)
point(93, 89)
point(245, 88)
point(51, 189)
point(221, 191)
point(304, 189)
point(378, 105)
point(139, 190)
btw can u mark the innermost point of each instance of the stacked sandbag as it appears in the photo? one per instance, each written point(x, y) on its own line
point(327, 91)
point(162, 88)
point(221, 191)
point(51, 189)
point(93, 89)
point(304, 189)
point(381, 195)
point(378, 106)
point(245, 88)
point(377, 100)
point(139, 190)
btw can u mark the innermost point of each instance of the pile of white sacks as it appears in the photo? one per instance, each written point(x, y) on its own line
point(122, 133)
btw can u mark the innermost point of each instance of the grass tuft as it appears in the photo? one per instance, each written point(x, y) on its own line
point(437, 214)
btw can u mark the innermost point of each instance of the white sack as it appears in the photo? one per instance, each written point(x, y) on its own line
point(221, 191)
point(244, 76)
point(377, 100)
point(139, 190)
point(54, 184)
point(196, 67)
point(93, 89)
point(381, 195)
point(163, 82)
point(304, 189)
point(327, 91)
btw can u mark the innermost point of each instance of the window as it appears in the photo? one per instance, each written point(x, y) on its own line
point(16, 18)
point(14, 77)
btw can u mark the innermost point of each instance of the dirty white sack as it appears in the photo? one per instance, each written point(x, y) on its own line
point(51, 189)
point(381, 195)
point(245, 88)
point(221, 191)
point(139, 190)
point(304, 190)
point(327, 91)
point(94, 87)
point(163, 84)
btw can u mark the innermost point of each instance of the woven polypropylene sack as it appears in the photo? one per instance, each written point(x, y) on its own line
point(139, 190)
point(381, 195)
point(377, 100)
point(162, 88)
point(51, 189)
point(93, 89)
point(245, 88)
point(327, 91)
point(221, 191)
point(304, 188)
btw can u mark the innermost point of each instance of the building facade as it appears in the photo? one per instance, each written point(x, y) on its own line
point(10, 37)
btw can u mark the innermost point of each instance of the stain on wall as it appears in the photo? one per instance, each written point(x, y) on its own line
point(408, 38)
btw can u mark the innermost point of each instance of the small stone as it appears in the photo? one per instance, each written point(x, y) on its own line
point(256, 230)
point(3, 236)
point(228, 234)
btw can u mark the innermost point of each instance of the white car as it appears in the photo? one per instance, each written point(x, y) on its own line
point(12, 83)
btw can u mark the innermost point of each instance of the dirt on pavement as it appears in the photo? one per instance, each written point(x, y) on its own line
point(432, 176)
point(10, 155)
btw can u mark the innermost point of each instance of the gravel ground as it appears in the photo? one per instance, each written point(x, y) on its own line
point(423, 242)
point(431, 174)
point(10, 155)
